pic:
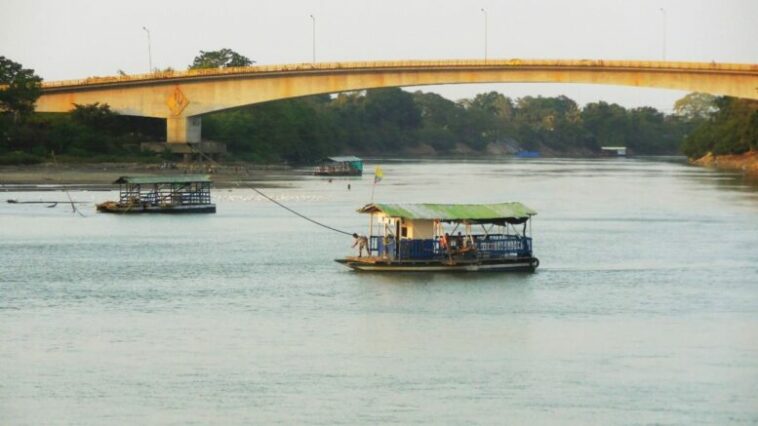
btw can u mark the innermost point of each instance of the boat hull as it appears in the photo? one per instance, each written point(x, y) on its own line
point(116, 208)
point(522, 264)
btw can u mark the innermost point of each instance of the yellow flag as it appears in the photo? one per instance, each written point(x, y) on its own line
point(378, 174)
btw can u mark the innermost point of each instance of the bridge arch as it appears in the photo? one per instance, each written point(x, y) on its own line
point(181, 97)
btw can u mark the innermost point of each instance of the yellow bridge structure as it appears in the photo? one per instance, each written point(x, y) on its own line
point(181, 97)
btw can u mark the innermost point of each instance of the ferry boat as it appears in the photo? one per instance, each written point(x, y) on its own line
point(447, 237)
point(161, 194)
point(340, 166)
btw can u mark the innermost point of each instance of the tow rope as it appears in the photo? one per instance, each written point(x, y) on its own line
point(262, 194)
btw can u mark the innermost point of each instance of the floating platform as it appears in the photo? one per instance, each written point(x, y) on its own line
point(161, 194)
point(340, 166)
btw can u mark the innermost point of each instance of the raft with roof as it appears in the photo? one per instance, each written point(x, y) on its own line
point(447, 237)
point(346, 165)
point(161, 194)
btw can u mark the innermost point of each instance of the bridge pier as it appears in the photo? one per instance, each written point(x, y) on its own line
point(183, 129)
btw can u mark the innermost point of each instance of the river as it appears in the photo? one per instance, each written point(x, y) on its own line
point(644, 309)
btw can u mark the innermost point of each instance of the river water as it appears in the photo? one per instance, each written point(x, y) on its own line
point(644, 309)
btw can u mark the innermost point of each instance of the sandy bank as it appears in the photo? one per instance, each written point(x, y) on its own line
point(747, 162)
point(102, 175)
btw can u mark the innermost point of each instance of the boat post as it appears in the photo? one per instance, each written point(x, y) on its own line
point(370, 227)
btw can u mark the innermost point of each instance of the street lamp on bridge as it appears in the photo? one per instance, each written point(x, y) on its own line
point(663, 11)
point(485, 34)
point(313, 19)
point(149, 50)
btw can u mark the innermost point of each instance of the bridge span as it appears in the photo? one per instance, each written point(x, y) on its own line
point(181, 97)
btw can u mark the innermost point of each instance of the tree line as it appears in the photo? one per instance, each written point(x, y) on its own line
point(387, 122)
point(723, 125)
point(395, 122)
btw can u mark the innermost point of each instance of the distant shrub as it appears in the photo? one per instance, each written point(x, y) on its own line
point(19, 158)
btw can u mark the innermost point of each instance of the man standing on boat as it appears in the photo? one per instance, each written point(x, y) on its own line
point(362, 242)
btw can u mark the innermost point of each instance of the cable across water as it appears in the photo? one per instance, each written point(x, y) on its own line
point(262, 194)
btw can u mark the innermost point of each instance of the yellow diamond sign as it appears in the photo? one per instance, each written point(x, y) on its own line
point(176, 101)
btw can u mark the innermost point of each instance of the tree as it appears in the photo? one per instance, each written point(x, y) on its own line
point(442, 121)
point(493, 103)
point(223, 58)
point(391, 118)
point(96, 116)
point(19, 88)
point(731, 129)
point(392, 106)
point(607, 123)
point(696, 106)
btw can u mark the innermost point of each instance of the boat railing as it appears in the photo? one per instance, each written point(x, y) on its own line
point(491, 246)
point(165, 197)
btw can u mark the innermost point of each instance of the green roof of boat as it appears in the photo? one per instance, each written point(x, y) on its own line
point(146, 180)
point(513, 210)
point(341, 159)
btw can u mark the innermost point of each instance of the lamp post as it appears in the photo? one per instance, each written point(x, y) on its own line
point(149, 50)
point(663, 11)
point(313, 19)
point(485, 34)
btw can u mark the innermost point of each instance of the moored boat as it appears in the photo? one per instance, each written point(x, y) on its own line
point(161, 194)
point(340, 166)
point(447, 237)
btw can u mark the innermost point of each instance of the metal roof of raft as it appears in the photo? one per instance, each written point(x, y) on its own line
point(513, 210)
point(146, 180)
point(342, 158)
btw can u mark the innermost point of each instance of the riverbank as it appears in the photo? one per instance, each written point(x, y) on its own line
point(747, 162)
point(101, 175)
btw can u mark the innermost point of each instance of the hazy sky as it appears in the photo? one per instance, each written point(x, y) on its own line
point(72, 39)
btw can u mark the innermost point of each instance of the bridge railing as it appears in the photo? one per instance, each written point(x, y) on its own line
point(751, 69)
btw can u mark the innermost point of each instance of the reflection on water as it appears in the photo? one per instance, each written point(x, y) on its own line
point(645, 304)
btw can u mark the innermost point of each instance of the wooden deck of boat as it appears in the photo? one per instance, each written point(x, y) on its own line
point(365, 259)
point(378, 259)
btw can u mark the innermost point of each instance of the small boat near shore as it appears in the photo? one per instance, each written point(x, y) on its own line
point(161, 194)
point(446, 237)
point(340, 166)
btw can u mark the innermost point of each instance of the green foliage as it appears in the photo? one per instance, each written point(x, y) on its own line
point(391, 121)
point(19, 158)
point(223, 58)
point(89, 130)
point(442, 121)
point(19, 88)
point(642, 130)
point(731, 128)
point(293, 131)
point(696, 106)
point(95, 116)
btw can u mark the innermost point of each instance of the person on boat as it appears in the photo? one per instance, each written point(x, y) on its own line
point(445, 242)
point(362, 242)
point(445, 246)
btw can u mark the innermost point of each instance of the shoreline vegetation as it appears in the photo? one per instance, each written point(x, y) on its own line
point(388, 122)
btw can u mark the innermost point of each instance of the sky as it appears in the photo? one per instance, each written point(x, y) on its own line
point(70, 39)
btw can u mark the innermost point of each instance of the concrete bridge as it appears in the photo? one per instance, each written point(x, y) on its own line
point(181, 97)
